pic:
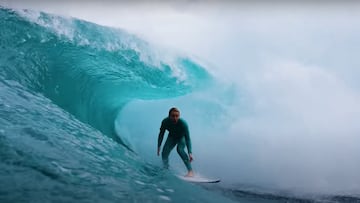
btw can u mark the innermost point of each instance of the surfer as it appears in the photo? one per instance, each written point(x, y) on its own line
point(178, 135)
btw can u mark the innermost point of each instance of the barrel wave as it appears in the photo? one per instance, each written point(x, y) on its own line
point(89, 70)
point(81, 106)
point(63, 84)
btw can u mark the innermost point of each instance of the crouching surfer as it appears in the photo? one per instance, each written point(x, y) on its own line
point(178, 136)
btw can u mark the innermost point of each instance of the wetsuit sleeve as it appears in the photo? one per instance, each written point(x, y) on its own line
point(161, 133)
point(187, 138)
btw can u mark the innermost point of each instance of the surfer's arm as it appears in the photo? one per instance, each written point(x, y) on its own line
point(161, 134)
point(187, 139)
point(160, 138)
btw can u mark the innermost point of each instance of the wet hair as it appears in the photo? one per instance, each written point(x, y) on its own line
point(173, 109)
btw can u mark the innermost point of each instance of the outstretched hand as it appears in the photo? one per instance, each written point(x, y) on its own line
point(191, 158)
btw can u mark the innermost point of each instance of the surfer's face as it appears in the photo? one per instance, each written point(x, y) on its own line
point(174, 116)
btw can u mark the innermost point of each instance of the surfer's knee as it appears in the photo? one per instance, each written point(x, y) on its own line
point(183, 154)
point(165, 154)
point(180, 149)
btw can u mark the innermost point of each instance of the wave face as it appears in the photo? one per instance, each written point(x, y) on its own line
point(63, 84)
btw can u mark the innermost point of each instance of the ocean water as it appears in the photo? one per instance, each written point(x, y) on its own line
point(81, 106)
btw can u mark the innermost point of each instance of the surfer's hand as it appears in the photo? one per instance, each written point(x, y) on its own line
point(158, 151)
point(191, 158)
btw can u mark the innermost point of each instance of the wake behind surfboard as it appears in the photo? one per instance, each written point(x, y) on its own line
point(199, 179)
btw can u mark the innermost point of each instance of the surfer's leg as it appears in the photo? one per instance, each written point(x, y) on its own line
point(184, 156)
point(169, 145)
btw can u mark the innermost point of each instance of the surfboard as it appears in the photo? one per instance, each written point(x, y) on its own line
point(199, 179)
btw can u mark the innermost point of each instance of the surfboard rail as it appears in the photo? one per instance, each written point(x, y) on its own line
point(199, 179)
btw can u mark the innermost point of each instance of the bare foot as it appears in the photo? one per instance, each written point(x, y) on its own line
point(190, 174)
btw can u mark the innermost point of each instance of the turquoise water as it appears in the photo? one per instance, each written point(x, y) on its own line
point(80, 108)
point(60, 96)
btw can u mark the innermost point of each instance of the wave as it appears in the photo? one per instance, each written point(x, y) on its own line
point(70, 88)
point(63, 85)
point(89, 70)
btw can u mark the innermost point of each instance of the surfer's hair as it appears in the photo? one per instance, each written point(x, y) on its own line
point(173, 109)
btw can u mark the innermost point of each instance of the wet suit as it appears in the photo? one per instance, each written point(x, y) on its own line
point(178, 135)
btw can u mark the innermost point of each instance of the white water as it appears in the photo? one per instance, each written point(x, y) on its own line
point(292, 124)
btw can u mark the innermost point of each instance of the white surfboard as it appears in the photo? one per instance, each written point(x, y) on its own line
point(199, 179)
